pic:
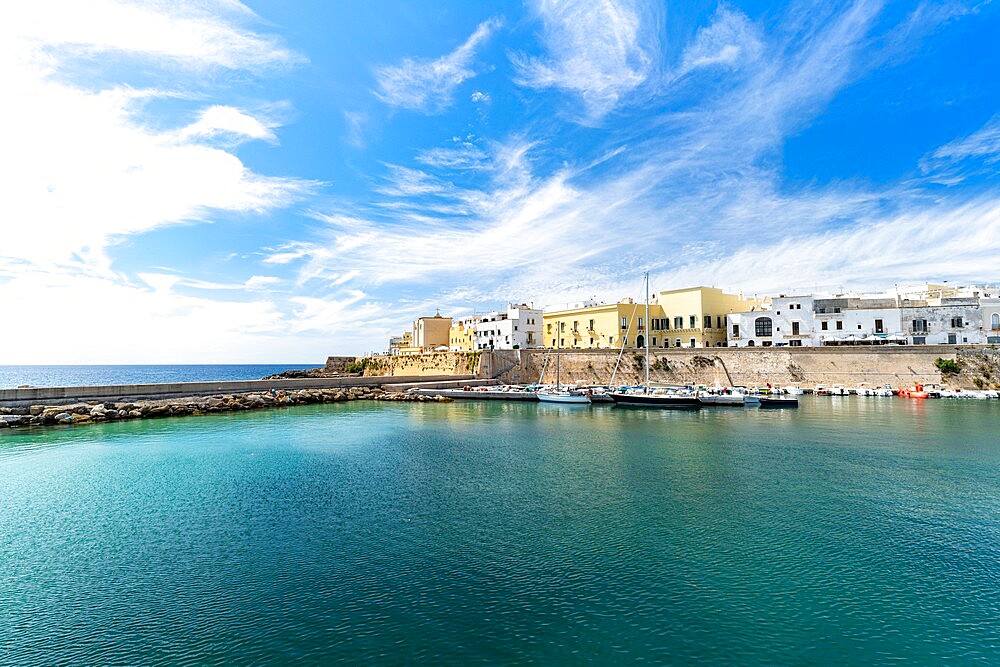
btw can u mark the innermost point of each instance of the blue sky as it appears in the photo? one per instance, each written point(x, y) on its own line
point(278, 181)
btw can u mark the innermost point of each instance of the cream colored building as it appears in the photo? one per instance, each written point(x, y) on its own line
point(592, 325)
point(430, 333)
point(699, 316)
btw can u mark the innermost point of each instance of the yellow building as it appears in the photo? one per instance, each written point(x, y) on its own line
point(698, 316)
point(401, 344)
point(591, 325)
point(462, 335)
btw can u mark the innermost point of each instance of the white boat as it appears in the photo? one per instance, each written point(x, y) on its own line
point(563, 397)
point(560, 395)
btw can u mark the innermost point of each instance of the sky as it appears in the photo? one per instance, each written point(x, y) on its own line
point(279, 180)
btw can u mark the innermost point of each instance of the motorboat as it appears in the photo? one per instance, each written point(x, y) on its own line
point(916, 391)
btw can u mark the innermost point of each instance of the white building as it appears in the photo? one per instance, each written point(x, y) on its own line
point(926, 316)
point(517, 328)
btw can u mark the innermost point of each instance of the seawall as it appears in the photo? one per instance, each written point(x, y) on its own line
point(125, 392)
point(898, 366)
point(807, 366)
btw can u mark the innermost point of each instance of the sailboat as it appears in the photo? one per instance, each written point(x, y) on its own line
point(659, 399)
point(558, 395)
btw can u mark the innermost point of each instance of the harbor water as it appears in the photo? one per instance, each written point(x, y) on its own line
point(850, 531)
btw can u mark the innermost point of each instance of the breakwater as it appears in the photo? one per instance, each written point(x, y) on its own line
point(94, 411)
point(126, 392)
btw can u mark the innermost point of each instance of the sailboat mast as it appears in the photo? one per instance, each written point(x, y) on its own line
point(646, 330)
point(558, 333)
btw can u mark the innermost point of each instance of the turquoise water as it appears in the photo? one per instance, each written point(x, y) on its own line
point(849, 531)
point(84, 375)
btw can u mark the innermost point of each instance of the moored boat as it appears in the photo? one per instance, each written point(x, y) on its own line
point(778, 402)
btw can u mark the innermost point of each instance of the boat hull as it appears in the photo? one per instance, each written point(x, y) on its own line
point(576, 399)
point(654, 401)
point(771, 402)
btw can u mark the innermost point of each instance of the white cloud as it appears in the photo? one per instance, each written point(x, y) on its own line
point(218, 119)
point(731, 40)
point(600, 51)
point(192, 34)
point(480, 97)
point(84, 167)
point(427, 85)
point(949, 163)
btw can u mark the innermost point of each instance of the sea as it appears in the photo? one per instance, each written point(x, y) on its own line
point(84, 375)
point(849, 531)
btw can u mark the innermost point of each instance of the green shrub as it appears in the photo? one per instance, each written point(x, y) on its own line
point(948, 366)
point(978, 382)
point(356, 366)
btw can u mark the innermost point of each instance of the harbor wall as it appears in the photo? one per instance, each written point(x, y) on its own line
point(898, 366)
point(122, 392)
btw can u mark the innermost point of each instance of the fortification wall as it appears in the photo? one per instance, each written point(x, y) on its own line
point(897, 366)
point(439, 363)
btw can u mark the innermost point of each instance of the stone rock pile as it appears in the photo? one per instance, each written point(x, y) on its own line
point(93, 411)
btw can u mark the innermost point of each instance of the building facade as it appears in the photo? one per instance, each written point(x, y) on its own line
point(593, 325)
point(929, 317)
point(699, 316)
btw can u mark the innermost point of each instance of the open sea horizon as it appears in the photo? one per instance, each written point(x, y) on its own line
point(105, 374)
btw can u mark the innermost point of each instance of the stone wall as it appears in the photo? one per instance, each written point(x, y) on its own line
point(898, 366)
point(439, 363)
point(337, 364)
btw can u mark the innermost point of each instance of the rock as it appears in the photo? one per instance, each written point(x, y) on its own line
point(135, 414)
point(98, 410)
point(64, 418)
point(111, 414)
point(36, 410)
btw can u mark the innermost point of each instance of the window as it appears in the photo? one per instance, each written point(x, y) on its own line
point(654, 341)
point(591, 327)
point(840, 325)
point(879, 327)
point(825, 326)
point(859, 327)
point(762, 326)
point(549, 327)
point(736, 331)
point(708, 321)
point(995, 321)
point(640, 322)
point(795, 343)
point(836, 309)
point(956, 323)
point(576, 325)
point(678, 323)
point(677, 342)
point(562, 326)
point(624, 322)
point(919, 326)
point(694, 321)
point(795, 329)
point(693, 342)
point(750, 344)
point(919, 340)
point(562, 342)
point(952, 339)
point(591, 341)
point(718, 321)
